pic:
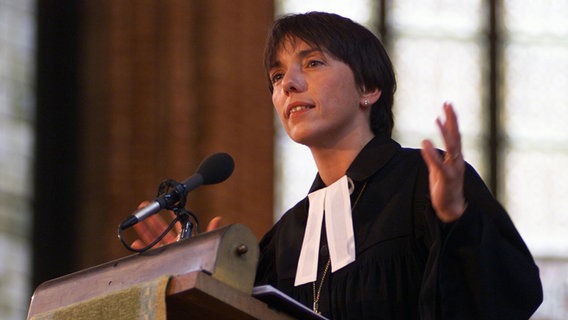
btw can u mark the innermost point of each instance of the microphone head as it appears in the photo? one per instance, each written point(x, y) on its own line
point(216, 168)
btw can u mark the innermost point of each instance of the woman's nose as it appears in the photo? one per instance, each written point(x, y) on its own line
point(293, 81)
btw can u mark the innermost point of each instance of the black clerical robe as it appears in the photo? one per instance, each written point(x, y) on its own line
point(410, 265)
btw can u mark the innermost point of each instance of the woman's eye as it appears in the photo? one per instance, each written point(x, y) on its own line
point(314, 63)
point(276, 77)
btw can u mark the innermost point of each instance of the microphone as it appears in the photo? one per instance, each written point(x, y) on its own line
point(214, 169)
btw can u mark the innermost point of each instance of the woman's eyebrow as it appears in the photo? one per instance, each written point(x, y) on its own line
point(302, 54)
point(307, 52)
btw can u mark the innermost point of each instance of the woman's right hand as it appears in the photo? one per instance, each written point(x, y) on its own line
point(152, 227)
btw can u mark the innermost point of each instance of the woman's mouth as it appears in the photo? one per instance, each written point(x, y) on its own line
point(299, 109)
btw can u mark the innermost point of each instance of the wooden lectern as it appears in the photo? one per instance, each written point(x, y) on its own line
point(212, 276)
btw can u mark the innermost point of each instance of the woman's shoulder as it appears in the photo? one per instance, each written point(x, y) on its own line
point(292, 218)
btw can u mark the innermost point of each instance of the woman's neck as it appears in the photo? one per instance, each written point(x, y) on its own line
point(332, 162)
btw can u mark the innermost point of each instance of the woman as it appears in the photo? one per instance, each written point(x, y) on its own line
point(386, 232)
point(430, 240)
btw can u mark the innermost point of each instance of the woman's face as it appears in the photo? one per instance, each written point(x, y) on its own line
point(316, 97)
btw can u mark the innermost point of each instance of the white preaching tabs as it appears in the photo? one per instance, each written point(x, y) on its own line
point(339, 225)
point(334, 202)
point(308, 262)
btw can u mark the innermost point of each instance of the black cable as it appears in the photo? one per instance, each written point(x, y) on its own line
point(129, 247)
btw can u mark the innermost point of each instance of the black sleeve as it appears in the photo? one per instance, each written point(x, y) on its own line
point(484, 269)
point(265, 271)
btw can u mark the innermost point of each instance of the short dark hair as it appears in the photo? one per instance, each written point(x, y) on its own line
point(349, 42)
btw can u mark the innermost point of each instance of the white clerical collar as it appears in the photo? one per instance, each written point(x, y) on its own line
point(334, 202)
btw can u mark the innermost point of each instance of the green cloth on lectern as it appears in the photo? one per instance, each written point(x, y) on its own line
point(143, 301)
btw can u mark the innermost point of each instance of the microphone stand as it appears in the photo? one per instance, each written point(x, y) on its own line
point(186, 225)
point(183, 215)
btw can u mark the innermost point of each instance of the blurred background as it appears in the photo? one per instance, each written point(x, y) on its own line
point(102, 100)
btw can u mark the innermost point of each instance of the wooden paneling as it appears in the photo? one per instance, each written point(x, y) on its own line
point(164, 84)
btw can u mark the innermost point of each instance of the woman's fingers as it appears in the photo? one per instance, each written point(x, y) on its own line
point(215, 223)
point(446, 172)
point(152, 227)
point(451, 134)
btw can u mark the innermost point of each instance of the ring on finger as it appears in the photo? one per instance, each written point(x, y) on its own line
point(452, 156)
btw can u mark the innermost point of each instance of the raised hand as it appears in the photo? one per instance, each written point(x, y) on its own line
point(446, 173)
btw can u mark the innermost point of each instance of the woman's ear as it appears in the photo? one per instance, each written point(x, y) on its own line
point(369, 97)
